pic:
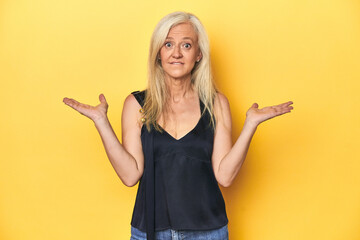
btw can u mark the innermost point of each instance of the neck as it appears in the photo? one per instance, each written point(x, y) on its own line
point(179, 89)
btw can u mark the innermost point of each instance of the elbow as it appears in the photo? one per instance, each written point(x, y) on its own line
point(129, 183)
point(225, 179)
point(131, 180)
point(225, 182)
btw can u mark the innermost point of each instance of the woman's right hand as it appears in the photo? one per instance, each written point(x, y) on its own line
point(96, 113)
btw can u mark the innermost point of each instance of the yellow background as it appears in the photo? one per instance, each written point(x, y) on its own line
point(301, 177)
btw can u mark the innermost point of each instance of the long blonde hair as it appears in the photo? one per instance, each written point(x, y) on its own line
point(201, 77)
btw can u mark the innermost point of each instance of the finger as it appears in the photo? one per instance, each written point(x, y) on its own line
point(280, 111)
point(286, 103)
point(69, 101)
point(255, 105)
point(287, 106)
point(284, 106)
point(283, 110)
point(102, 98)
point(74, 104)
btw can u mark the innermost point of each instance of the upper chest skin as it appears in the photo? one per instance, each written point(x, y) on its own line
point(181, 118)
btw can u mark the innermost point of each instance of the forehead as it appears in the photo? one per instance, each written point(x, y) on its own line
point(183, 30)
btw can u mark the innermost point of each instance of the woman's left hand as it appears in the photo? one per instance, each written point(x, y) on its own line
point(257, 116)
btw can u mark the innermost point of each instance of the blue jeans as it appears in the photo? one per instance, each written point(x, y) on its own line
point(169, 234)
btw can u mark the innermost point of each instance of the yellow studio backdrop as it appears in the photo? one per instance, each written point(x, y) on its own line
point(301, 177)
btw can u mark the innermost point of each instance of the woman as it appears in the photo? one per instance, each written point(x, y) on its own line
point(176, 137)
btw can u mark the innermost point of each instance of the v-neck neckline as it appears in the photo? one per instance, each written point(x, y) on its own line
point(197, 124)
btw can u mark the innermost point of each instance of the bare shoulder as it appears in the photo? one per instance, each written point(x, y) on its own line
point(130, 114)
point(221, 100)
point(131, 102)
point(131, 126)
point(131, 106)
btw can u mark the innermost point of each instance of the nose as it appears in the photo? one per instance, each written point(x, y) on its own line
point(177, 52)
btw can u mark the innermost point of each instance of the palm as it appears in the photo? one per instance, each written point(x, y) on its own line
point(256, 115)
point(91, 112)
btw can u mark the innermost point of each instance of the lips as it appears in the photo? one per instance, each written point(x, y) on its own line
point(176, 63)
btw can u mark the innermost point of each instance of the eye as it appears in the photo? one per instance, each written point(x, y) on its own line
point(168, 45)
point(187, 45)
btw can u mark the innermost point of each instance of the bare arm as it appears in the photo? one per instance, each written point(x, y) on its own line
point(127, 158)
point(227, 159)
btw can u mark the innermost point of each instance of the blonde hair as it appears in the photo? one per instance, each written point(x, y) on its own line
point(201, 77)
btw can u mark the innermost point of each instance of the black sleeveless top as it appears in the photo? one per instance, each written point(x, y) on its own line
point(178, 189)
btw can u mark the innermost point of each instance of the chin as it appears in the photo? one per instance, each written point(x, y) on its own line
point(179, 77)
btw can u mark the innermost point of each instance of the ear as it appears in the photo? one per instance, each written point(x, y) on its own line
point(199, 57)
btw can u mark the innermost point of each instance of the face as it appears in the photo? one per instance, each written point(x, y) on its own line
point(180, 52)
